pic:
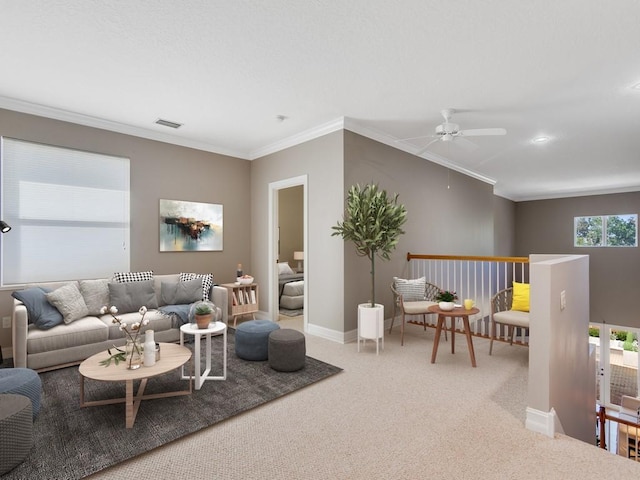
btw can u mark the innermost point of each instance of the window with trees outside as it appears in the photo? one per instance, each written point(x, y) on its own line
point(69, 213)
point(606, 231)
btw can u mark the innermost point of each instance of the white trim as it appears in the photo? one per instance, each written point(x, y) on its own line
point(89, 121)
point(328, 334)
point(299, 138)
point(541, 422)
point(272, 286)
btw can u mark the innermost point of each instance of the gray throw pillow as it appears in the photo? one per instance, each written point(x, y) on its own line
point(411, 290)
point(181, 293)
point(129, 297)
point(69, 302)
point(207, 282)
point(95, 294)
point(40, 312)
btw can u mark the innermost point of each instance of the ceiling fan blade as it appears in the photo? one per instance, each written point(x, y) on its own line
point(468, 145)
point(426, 147)
point(477, 132)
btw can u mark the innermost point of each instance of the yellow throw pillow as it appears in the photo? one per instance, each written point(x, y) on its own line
point(520, 297)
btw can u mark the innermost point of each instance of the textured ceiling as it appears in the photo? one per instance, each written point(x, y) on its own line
point(227, 69)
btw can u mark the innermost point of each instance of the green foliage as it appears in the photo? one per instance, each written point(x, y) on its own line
point(446, 296)
point(589, 231)
point(373, 222)
point(203, 309)
point(621, 231)
point(594, 332)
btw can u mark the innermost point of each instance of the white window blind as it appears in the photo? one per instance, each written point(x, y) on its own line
point(69, 213)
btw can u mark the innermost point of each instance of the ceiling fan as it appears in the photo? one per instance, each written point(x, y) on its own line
point(450, 132)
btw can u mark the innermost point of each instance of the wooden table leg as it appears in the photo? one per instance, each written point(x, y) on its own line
point(467, 332)
point(453, 334)
point(434, 352)
point(128, 403)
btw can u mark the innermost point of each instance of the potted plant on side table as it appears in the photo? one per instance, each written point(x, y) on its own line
point(373, 222)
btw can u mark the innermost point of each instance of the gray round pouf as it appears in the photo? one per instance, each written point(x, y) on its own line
point(22, 381)
point(252, 339)
point(16, 425)
point(287, 350)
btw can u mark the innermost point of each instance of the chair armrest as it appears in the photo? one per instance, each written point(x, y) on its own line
point(502, 301)
point(19, 330)
point(220, 298)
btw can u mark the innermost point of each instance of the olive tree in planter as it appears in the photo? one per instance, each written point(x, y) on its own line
point(373, 222)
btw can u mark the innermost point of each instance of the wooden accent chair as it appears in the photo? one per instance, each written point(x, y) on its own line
point(412, 303)
point(502, 314)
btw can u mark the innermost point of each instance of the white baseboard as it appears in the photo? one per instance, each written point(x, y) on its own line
point(541, 422)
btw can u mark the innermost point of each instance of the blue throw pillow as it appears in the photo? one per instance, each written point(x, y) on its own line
point(41, 313)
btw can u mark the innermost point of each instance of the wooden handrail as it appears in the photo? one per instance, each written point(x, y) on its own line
point(603, 416)
point(475, 258)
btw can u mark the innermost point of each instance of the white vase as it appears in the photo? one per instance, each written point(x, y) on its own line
point(370, 321)
point(149, 349)
point(446, 306)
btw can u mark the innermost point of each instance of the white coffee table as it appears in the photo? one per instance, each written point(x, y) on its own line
point(215, 328)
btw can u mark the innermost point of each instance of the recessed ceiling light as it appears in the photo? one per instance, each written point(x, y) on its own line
point(168, 123)
point(540, 140)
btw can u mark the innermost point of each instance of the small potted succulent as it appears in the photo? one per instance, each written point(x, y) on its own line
point(445, 299)
point(203, 313)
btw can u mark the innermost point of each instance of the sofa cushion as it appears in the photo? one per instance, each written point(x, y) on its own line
point(68, 300)
point(180, 293)
point(513, 317)
point(207, 282)
point(83, 331)
point(129, 297)
point(95, 294)
point(126, 277)
point(41, 313)
point(158, 322)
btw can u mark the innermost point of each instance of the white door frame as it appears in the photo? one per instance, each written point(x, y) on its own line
point(274, 188)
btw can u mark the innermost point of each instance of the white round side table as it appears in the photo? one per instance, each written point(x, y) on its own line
point(215, 328)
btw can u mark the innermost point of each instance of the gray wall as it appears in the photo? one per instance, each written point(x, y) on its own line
point(321, 160)
point(158, 170)
point(504, 227)
point(546, 226)
point(447, 213)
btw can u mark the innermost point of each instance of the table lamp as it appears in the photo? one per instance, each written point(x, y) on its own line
point(299, 256)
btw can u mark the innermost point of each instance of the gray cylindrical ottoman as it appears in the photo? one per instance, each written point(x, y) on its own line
point(22, 381)
point(252, 339)
point(16, 425)
point(287, 350)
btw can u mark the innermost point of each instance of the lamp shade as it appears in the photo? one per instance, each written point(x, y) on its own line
point(4, 227)
point(298, 255)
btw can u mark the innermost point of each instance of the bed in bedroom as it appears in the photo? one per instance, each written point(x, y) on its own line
point(291, 285)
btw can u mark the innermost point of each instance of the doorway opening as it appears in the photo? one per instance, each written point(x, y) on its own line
point(281, 249)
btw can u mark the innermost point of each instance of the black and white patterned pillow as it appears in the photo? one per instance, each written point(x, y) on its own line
point(126, 277)
point(207, 281)
point(411, 290)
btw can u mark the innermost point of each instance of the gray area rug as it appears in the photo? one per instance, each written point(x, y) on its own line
point(72, 442)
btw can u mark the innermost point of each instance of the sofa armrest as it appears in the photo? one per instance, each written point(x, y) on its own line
point(220, 298)
point(19, 330)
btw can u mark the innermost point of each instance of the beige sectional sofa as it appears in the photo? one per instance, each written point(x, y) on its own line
point(46, 347)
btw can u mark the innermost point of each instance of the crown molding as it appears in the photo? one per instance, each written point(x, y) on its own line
point(89, 121)
point(298, 138)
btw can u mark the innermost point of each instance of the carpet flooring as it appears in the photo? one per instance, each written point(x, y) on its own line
point(72, 442)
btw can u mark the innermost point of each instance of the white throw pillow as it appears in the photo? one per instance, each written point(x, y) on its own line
point(411, 290)
point(285, 269)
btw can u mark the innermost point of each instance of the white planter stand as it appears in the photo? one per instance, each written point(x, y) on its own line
point(371, 324)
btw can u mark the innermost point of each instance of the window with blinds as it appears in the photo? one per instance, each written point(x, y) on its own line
point(69, 213)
